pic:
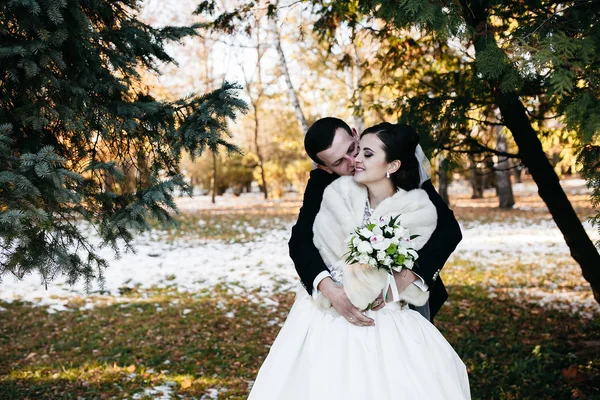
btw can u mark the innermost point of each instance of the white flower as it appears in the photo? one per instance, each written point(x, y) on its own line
point(387, 261)
point(364, 247)
point(405, 244)
point(402, 250)
point(381, 244)
point(381, 255)
point(408, 263)
point(401, 232)
point(395, 240)
point(413, 253)
point(388, 229)
point(377, 230)
point(364, 259)
point(356, 241)
point(372, 262)
point(384, 220)
point(365, 233)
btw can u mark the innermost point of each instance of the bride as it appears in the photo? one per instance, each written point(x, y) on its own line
point(320, 355)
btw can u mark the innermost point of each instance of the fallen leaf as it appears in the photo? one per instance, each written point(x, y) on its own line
point(572, 375)
point(131, 368)
point(186, 383)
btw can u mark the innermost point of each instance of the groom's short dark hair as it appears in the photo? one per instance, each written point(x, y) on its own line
point(320, 136)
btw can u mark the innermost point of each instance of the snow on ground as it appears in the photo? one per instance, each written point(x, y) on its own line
point(544, 270)
point(535, 260)
point(187, 265)
point(265, 264)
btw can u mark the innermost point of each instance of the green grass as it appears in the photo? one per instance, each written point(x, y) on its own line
point(229, 227)
point(189, 341)
point(512, 350)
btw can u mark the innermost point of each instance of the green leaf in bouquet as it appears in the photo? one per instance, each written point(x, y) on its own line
point(371, 226)
point(400, 258)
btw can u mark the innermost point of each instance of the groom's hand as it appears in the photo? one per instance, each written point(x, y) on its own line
point(339, 300)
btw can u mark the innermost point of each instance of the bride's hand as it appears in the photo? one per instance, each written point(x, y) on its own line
point(378, 303)
point(339, 300)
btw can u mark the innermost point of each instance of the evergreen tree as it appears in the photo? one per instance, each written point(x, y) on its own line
point(81, 140)
point(532, 61)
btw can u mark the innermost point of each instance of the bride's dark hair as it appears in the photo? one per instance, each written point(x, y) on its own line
point(399, 143)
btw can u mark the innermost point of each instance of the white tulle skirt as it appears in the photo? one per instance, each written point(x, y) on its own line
point(319, 355)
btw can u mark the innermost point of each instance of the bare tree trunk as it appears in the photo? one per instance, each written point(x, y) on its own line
point(475, 179)
point(516, 170)
point(286, 75)
point(214, 178)
point(443, 178)
point(261, 163)
point(503, 184)
point(359, 115)
point(530, 148)
point(255, 100)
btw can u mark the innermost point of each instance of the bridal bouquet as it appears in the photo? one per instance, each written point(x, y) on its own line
point(383, 244)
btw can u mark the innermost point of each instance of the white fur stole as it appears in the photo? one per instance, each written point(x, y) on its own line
point(342, 212)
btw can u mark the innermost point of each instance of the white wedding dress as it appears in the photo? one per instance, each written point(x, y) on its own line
point(318, 355)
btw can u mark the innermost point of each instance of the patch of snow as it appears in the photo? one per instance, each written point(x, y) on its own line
point(162, 392)
point(213, 393)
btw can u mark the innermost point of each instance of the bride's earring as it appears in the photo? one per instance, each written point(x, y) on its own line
point(387, 174)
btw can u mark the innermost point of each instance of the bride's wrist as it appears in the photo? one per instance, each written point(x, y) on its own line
point(325, 285)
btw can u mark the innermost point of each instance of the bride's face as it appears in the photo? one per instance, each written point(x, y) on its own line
point(370, 164)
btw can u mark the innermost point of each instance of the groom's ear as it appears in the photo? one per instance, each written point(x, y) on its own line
point(354, 133)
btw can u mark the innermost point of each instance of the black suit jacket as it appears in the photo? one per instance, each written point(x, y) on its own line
point(432, 256)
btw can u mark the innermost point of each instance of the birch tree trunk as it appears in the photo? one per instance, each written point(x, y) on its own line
point(286, 74)
point(359, 115)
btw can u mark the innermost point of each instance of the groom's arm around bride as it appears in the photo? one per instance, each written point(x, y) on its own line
point(333, 145)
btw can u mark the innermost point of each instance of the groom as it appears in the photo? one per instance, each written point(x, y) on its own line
point(331, 144)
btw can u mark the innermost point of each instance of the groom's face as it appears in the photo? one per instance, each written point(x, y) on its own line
point(339, 157)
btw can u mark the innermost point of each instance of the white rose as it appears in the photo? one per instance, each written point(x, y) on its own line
point(372, 262)
point(408, 263)
point(363, 259)
point(402, 250)
point(401, 232)
point(364, 247)
point(381, 255)
point(388, 261)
